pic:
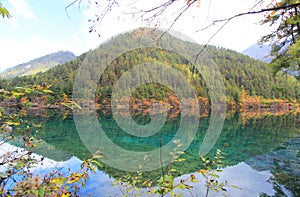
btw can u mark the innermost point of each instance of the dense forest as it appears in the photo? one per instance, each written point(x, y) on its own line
point(37, 65)
point(240, 72)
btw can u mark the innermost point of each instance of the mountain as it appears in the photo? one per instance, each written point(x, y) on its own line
point(239, 72)
point(259, 52)
point(40, 64)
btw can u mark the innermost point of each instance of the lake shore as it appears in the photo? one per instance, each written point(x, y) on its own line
point(249, 106)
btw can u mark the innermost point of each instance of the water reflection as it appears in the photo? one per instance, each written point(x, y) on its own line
point(257, 150)
point(252, 182)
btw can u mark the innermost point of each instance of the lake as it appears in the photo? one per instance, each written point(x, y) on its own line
point(262, 152)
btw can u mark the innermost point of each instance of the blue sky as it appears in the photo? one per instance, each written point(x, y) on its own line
point(37, 28)
point(40, 27)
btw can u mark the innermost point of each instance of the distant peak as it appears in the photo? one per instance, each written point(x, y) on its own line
point(259, 52)
point(40, 64)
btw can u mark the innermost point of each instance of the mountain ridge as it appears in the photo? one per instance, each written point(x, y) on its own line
point(259, 52)
point(40, 64)
point(240, 72)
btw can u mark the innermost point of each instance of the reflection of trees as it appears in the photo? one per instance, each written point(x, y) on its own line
point(238, 140)
point(284, 163)
point(284, 176)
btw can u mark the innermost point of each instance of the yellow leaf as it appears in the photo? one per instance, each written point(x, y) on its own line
point(13, 123)
point(48, 91)
point(202, 171)
point(180, 160)
point(193, 179)
point(17, 94)
point(75, 178)
point(67, 194)
point(57, 181)
point(96, 162)
point(76, 105)
point(68, 105)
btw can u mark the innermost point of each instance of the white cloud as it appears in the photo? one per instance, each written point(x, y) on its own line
point(238, 34)
point(20, 8)
point(16, 52)
point(113, 24)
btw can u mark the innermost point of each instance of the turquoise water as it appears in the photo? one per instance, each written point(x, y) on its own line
point(263, 150)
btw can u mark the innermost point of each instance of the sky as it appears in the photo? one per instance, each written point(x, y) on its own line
point(37, 28)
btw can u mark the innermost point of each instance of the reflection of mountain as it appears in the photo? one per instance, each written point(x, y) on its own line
point(284, 163)
point(240, 141)
point(45, 149)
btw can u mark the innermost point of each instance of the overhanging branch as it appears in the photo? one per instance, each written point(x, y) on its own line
point(249, 13)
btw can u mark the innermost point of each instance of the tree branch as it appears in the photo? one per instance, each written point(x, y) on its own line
point(176, 19)
point(72, 3)
point(249, 13)
point(227, 20)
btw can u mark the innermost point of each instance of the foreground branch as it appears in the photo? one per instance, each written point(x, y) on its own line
point(250, 13)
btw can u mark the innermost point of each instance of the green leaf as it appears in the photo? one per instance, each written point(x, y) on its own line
point(36, 192)
point(130, 190)
point(13, 123)
point(42, 192)
point(216, 190)
point(17, 94)
point(28, 90)
point(181, 186)
point(19, 165)
point(4, 12)
point(215, 175)
point(169, 177)
point(236, 187)
point(48, 91)
point(97, 163)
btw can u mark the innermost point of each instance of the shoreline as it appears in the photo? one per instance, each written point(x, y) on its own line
point(249, 106)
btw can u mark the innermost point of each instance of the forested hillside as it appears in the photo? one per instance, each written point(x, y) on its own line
point(40, 64)
point(239, 71)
